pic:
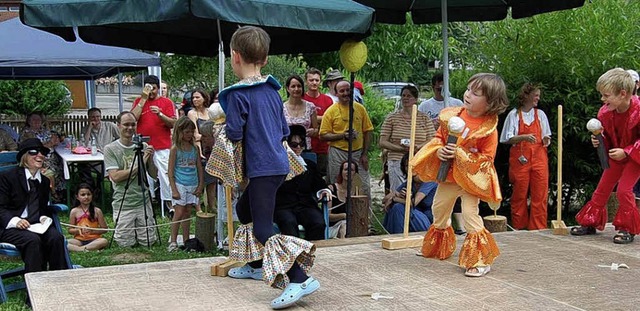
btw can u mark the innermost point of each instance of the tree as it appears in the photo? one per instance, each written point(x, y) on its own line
point(395, 53)
point(23, 97)
point(565, 51)
point(188, 72)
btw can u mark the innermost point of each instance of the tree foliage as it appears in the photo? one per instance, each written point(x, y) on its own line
point(20, 97)
point(189, 72)
point(395, 53)
point(566, 52)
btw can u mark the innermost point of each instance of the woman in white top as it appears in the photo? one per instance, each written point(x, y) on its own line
point(527, 130)
point(298, 111)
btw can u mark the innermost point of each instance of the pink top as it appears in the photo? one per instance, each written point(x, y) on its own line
point(305, 120)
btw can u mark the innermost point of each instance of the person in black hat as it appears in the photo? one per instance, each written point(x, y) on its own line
point(24, 197)
point(296, 198)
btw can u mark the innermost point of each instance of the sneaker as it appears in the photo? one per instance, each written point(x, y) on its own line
point(173, 246)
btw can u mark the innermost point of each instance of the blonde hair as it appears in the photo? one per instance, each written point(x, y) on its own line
point(493, 88)
point(23, 160)
point(184, 123)
point(615, 80)
point(252, 43)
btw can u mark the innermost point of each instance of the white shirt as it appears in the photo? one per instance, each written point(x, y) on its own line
point(431, 107)
point(333, 97)
point(14, 221)
point(512, 124)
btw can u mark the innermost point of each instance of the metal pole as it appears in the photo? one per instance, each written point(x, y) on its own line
point(445, 52)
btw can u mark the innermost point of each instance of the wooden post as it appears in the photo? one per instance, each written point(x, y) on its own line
point(406, 241)
point(558, 225)
point(222, 269)
point(358, 219)
point(495, 223)
point(206, 229)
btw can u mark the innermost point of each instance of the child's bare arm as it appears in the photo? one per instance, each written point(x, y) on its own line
point(101, 220)
point(171, 171)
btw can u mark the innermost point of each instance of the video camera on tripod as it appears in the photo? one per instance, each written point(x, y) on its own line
point(139, 141)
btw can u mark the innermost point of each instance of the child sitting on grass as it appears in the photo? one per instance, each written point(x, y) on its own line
point(90, 218)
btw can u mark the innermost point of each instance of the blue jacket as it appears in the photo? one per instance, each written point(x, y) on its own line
point(255, 116)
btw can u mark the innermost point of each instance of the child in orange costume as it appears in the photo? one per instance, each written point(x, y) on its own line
point(472, 176)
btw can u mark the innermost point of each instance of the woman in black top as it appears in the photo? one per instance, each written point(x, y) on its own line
point(296, 202)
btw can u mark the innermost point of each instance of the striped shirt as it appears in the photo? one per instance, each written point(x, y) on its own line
point(397, 126)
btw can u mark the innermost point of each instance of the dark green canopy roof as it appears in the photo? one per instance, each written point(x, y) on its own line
point(191, 26)
point(429, 12)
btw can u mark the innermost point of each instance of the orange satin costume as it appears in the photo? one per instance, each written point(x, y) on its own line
point(472, 177)
point(531, 178)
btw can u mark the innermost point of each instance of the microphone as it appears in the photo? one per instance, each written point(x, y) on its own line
point(455, 125)
point(595, 127)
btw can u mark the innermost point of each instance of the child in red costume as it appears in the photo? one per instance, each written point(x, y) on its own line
point(620, 117)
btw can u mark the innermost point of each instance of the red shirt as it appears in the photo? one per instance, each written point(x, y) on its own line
point(149, 124)
point(322, 102)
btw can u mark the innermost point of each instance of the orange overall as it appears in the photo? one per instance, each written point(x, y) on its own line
point(530, 178)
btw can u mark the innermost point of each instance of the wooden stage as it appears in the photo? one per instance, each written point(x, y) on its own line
point(536, 271)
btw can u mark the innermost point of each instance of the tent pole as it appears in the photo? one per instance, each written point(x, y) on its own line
point(220, 59)
point(120, 104)
point(445, 52)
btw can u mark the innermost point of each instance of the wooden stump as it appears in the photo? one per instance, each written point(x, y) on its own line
point(495, 223)
point(206, 230)
point(358, 219)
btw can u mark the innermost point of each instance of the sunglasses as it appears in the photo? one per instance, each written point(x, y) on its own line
point(34, 152)
point(296, 145)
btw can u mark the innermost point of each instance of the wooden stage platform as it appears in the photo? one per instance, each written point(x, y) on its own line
point(536, 271)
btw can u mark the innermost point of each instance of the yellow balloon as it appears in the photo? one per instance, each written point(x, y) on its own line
point(353, 55)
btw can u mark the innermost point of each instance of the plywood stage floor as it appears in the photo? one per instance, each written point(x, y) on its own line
point(536, 271)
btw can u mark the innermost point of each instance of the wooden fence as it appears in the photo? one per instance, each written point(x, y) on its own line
point(68, 125)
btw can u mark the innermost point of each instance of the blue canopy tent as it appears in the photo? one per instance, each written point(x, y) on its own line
point(28, 53)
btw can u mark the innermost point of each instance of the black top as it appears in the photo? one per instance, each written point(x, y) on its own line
point(301, 190)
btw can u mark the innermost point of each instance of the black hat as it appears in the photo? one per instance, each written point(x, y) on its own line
point(297, 130)
point(29, 144)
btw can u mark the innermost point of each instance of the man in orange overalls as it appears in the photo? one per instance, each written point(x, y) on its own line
point(527, 129)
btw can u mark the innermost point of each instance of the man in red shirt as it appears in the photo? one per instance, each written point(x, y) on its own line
point(156, 116)
point(322, 102)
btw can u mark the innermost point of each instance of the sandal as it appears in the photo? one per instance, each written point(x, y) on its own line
point(623, 237)
point(479, 271)
point(294, 292)
point(246, 272)
point(583, 231)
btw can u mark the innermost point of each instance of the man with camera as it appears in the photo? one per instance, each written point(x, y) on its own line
point(156, 116)
point(129, 209)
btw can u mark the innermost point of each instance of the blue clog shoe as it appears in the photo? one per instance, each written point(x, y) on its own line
point(246, 272)
point(294, 292)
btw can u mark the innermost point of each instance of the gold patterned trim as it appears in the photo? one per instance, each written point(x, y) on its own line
point(479, 249)
point(439, 243)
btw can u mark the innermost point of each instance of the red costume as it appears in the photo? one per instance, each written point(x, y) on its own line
point(621, 130)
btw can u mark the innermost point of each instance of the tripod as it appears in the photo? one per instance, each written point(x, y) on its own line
point(141, 174)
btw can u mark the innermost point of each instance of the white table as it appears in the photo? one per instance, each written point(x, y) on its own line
point(69, 158)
